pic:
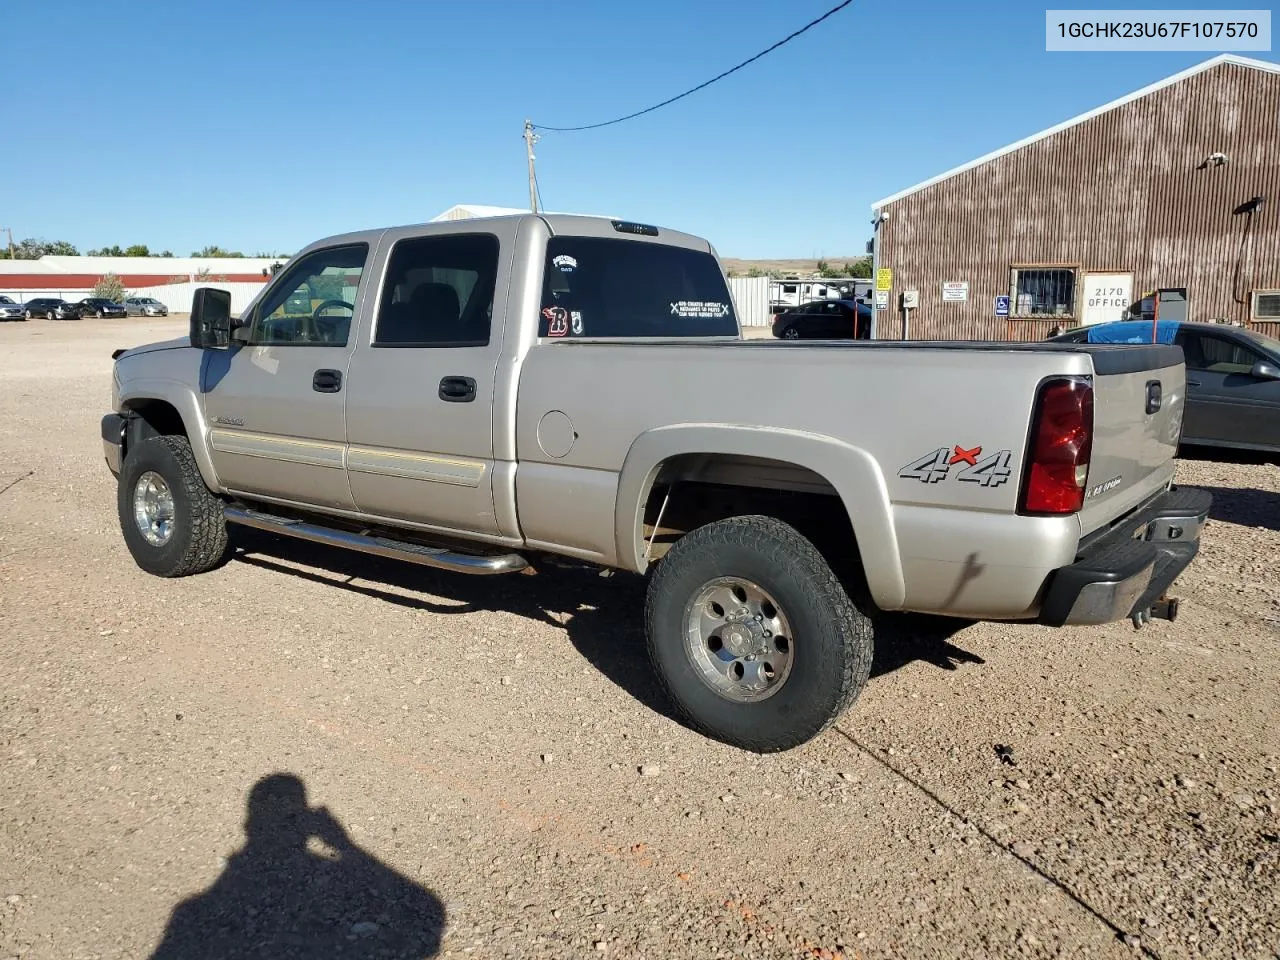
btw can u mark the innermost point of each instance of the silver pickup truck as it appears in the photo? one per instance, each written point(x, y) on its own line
point(481, 395)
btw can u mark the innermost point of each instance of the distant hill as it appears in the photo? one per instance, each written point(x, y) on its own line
point(801, 267)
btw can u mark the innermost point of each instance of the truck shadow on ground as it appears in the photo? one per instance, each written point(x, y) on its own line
point(279, 897)
point(601, 615)
point(1244, 506)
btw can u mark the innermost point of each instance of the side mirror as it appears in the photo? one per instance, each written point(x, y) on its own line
point(211, 319)
point(1265, 371)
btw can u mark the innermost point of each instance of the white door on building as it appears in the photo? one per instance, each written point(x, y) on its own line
point(1106, 296)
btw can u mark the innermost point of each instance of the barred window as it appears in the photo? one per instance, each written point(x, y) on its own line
point(1044, 291)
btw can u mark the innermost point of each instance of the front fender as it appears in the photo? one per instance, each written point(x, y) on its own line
point(182, 398)
point(851, 471)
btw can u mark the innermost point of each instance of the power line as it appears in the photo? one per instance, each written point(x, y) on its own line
point(639, 113)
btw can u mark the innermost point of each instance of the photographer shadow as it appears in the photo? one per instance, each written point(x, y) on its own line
point(301, 888)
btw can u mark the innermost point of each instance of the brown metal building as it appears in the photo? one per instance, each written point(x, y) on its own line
point(1176, 186)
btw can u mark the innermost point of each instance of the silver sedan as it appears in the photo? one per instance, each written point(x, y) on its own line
point(145, 307)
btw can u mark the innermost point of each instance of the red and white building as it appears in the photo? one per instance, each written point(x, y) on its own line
point(171, 280)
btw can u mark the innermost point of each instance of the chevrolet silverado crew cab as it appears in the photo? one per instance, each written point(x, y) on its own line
point(483, 395)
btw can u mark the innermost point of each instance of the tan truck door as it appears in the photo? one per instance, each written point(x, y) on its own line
point(420, 402)
point(275, 406)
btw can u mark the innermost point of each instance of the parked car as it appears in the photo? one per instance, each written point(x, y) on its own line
point(41, 306)
point(11, 310)
point(145, 307)
point(824, 320)
point(65, 311)
point(775, 524)
point(101, 307)
point(1233, 378)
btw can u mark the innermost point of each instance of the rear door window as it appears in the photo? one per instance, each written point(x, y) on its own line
point(602, 287)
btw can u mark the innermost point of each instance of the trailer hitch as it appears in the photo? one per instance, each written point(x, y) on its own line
point(1166, 608)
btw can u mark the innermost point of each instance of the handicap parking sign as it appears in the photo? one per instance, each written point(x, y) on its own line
point(1002, 306)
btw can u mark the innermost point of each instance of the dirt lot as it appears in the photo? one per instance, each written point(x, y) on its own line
point(470, 751)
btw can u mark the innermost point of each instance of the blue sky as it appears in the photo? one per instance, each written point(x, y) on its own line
point(263, 126)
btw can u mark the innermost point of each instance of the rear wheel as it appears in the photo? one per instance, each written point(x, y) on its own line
point(753, 636)
point(98, 314)
point(30, 315)
point(171, 523)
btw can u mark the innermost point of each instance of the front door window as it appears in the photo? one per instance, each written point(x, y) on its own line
point(312, 304)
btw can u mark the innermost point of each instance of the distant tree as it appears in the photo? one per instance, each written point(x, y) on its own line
point(755, 272)
point(110, 287)
point(137, 250)
point(213, 250)
point(33, 249)
point(860, 269)
point(823, 267)
point(165, 253)
point(111, 251)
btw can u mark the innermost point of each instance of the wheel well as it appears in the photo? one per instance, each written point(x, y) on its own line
point(152, 418)
point(692, 490)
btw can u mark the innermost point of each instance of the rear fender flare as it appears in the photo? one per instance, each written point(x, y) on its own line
point(851, 471)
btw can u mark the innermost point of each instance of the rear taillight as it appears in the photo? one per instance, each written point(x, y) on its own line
point(1059, 449)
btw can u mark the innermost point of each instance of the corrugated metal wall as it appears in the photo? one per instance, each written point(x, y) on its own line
point(177, 296)
point(751, 300)
point(1122, 191)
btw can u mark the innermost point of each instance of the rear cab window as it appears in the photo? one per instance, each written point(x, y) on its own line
point(604, 287)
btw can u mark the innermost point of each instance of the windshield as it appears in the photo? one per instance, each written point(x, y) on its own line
point(1270, 344)
point(605, 287)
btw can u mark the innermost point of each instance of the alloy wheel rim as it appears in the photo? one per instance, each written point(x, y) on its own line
point(738, 639)
point(153, 508)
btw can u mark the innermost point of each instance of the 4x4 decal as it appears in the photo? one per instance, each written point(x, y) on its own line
point(936, 465)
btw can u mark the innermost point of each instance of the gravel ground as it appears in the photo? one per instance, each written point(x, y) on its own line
point(348, 758)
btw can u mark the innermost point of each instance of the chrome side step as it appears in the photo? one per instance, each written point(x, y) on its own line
point(440, 557)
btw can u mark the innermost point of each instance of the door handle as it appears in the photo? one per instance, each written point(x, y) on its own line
point(457, 389)
point(1154, 396)
point(327, 381)
point(1193, 383)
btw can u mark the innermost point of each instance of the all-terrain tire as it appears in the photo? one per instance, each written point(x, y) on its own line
point(198, 541)
point(831, 646)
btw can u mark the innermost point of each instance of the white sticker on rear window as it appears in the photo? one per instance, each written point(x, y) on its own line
point(699, 308)
point(564, 263)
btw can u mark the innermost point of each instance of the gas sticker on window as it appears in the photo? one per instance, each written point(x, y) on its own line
point(699, 308)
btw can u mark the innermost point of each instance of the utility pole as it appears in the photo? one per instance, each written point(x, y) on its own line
point(530, 138)
point(9, 231)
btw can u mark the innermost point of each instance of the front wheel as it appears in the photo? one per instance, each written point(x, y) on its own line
point(30, 315)
point(752, 635)
point(791, 333)
point(172, 525)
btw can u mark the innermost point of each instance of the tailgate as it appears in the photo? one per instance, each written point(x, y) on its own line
point(1138, 395)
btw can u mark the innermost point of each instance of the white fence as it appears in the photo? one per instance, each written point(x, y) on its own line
point(751, 300)
point(177, 296)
